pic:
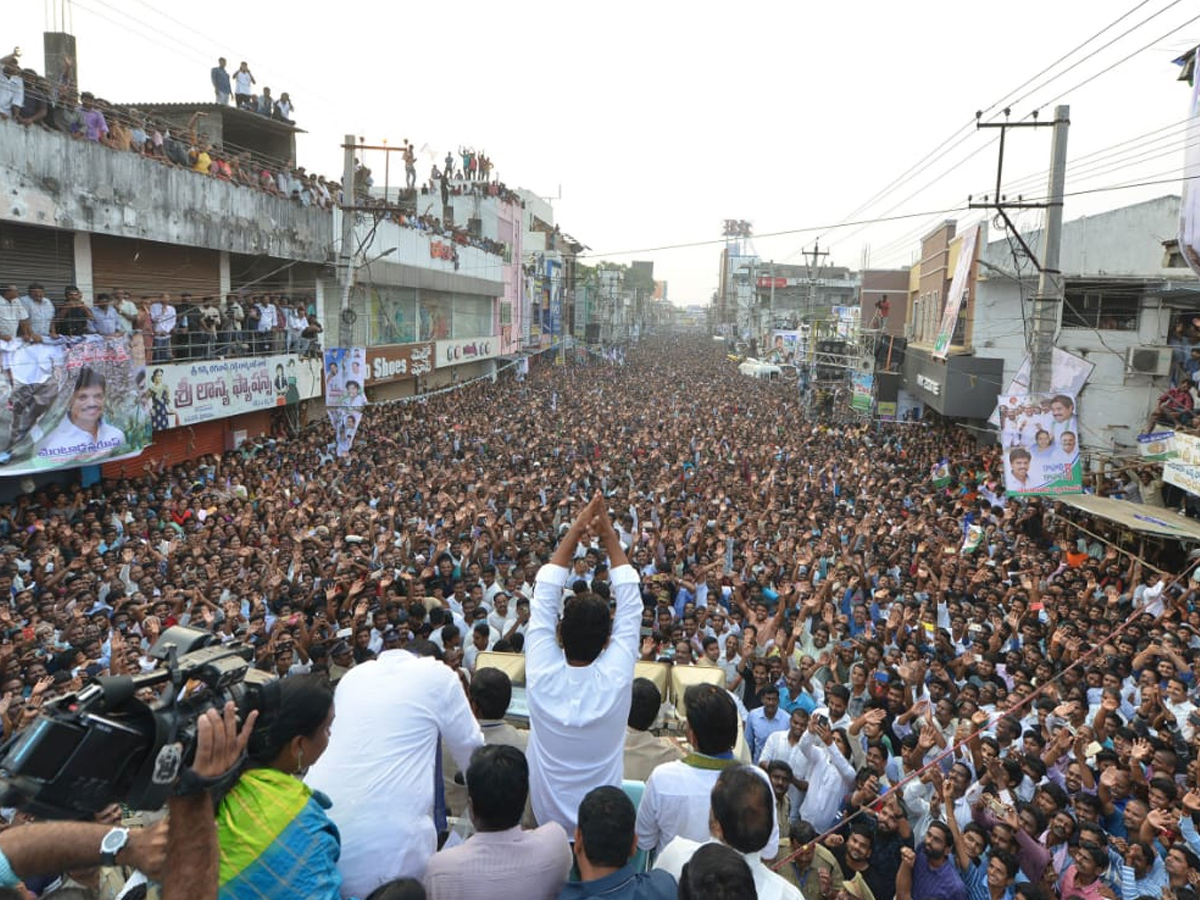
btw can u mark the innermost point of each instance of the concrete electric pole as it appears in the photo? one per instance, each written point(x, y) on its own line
point(812, 258)
point(346, 256)
point(1047, 306)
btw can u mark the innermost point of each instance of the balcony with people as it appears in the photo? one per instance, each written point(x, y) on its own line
point(221, 177)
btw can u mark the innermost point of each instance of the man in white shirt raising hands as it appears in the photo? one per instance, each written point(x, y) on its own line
point(579, 671)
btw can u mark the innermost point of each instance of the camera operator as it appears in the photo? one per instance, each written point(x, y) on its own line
point(183, 854)
point(47, 848)
point(192, 858)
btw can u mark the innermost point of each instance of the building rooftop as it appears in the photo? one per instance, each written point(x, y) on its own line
point(228, 113)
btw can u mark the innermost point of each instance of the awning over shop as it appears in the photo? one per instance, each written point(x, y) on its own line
point(1136, 516)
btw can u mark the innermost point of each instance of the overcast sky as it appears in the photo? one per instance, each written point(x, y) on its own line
point(651, 122)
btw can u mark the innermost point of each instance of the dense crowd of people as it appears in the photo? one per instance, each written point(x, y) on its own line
point(405, 212)
point(872, 707)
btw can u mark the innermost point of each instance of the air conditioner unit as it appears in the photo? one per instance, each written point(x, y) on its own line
point(1148, 360)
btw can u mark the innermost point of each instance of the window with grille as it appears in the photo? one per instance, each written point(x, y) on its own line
point(1111, 308)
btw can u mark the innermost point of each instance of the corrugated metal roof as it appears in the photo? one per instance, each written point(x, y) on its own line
point(1136, 516)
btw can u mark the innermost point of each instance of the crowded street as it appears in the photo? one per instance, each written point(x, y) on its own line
point(1024, 691)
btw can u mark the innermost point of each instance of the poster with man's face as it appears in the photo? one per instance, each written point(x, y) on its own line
point(70, 403)
point(1039, 436)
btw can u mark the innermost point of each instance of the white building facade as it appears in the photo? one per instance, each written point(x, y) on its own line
point(1125, 289)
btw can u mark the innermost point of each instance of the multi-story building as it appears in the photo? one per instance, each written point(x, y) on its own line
point(550, 302)
point(444, 289)
point(966, 383)
point(795, 295)
point(1127, 313)
point(437, 297)
point(80, 213)
point(1129, 303)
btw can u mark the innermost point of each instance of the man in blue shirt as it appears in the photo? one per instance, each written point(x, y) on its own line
point(605, 841)
point(929, 872)
point(220, 82)
point(797, 690)
point(762, 722)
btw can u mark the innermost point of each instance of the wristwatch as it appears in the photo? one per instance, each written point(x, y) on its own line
point(114, 842)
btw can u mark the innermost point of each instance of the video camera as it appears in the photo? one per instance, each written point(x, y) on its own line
point(103, 744)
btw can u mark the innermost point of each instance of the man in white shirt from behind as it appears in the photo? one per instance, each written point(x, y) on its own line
point(379, 768)
point(742, 814)
point(678, 794)
point(579, 669)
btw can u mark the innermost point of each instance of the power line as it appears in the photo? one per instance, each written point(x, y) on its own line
point(1071, 52)
point(930, 158)
point(1130, 185)
point(929, 183)
point(1119, 166)
point(1121, 61)
point(1151, 181)
point(1102, 48)
point(1127, 153)
point(1093, 77)
point(1111, 153)
point(770, 234)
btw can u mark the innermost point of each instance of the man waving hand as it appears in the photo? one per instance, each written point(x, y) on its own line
point(579, 671)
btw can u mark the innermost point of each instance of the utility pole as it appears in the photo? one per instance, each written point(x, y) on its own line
point(771, 307)
point(811, 258)
point(1047, 306)
point(346, 256)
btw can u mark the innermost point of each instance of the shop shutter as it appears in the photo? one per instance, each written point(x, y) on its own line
point(255, 424)
point(173, 446)
point(147, 268)
point(42, 255)
point(268, 275)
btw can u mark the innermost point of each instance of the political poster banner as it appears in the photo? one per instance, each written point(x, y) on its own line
point(71, 402)
point(1040, 438)
point(1183, 470)
point(345, 422)
point(345, 373)
point(885, 411)
point(1157, 445)
point(785, 344)
point(190, 393)
point(860, 399)
point(958, 289)
point(1068, 374)
point(1189, 205)
point(345, 377)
